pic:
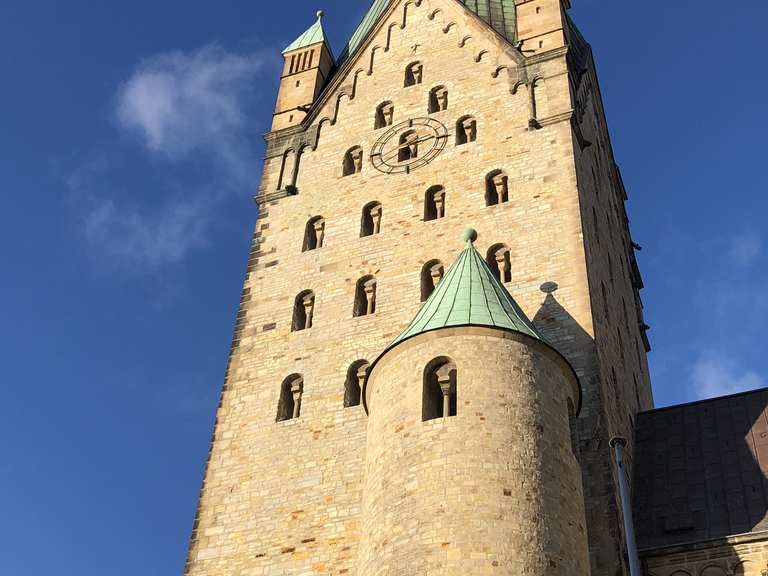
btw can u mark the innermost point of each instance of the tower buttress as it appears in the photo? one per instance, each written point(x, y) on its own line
point(308, 63)
point(541, 25)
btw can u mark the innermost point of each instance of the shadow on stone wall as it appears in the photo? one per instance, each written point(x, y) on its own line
point(563, 331)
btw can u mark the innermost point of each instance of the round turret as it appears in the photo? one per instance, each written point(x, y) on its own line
point(470, 463)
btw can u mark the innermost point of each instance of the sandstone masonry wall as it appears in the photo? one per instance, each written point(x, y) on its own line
point(285, 497)
point(495, 489)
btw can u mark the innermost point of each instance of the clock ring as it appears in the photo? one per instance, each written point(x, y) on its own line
point(409, 145)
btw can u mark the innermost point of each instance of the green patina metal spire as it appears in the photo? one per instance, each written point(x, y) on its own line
point(314, 35)
point(469, 295)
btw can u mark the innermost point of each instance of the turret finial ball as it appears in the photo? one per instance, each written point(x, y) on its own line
point(320, 14)
point(470, 235)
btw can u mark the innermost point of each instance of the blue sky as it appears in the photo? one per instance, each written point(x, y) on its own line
point(130, 148)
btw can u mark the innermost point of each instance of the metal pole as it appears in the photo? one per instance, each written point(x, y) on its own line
point(618, 444)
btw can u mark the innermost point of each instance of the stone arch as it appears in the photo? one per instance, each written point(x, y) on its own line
point(434, 203)
point(370, 223)
point(353, 161)
point(289, 404)
point(365, 296)
point(439, 389)
point(431, 274)
point(414, 74)
point(463, 42)
point(499, 70)
point(434, 13)
point(438, 99)
point(499, 259)
point(385, 113)
point(353, 384)
point(745, 568)
point(303, 311)
point(712, 570)
point(450, 26)
point(466, 130)
point(373, 58)
point(496, 188)
point(314, 234)
point(480, 55)
point(325, 121)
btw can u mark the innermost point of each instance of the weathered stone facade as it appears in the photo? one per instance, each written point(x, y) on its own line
point(286, 497)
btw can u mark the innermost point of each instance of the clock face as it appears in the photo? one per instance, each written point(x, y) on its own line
point(409, 145)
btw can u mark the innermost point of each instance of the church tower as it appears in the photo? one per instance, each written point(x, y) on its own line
point(400, 401)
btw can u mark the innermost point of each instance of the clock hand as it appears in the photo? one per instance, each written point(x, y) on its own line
point(401, 146)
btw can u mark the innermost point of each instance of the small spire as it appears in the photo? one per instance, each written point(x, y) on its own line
point(314, 35)
point(470, 235)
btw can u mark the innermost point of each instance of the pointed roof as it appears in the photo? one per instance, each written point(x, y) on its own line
point(499, 14)
point(314, 35)
point(469, 295)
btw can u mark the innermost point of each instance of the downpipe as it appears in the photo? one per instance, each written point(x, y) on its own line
point(619, 444)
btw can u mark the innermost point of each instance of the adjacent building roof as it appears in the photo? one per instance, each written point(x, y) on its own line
point(469, 295)
point(499, 14)
point(700, 470)
point(313, 35)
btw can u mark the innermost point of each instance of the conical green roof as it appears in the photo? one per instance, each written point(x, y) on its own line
point(314, 35)
point(469, 295)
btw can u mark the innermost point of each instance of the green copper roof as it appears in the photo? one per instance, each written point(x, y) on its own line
point(313, 35)
point(469, 295)
point(499, 14)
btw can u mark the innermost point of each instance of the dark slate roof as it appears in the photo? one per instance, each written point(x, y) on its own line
point(499, 14)
point(700, 470)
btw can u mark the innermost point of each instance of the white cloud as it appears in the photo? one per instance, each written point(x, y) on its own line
point(179, 103)
point(745, 248)
point(147, 238)
point(192, 112)
point(713, 375)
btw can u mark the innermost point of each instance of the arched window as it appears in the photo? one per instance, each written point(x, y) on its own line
point(371, 221)
point(365, 296)
point(289, 405)
point(434, 203)
point(385, 113)
point(500, 263)
point(496, 188)
point(314, 234)
point(354, 384)
point(303, 311)
point(353, 161)
point(431, 275)
point(466, 130)
point(439, 398)
point(438, 99)
point(408, 148)
point(413, 74)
